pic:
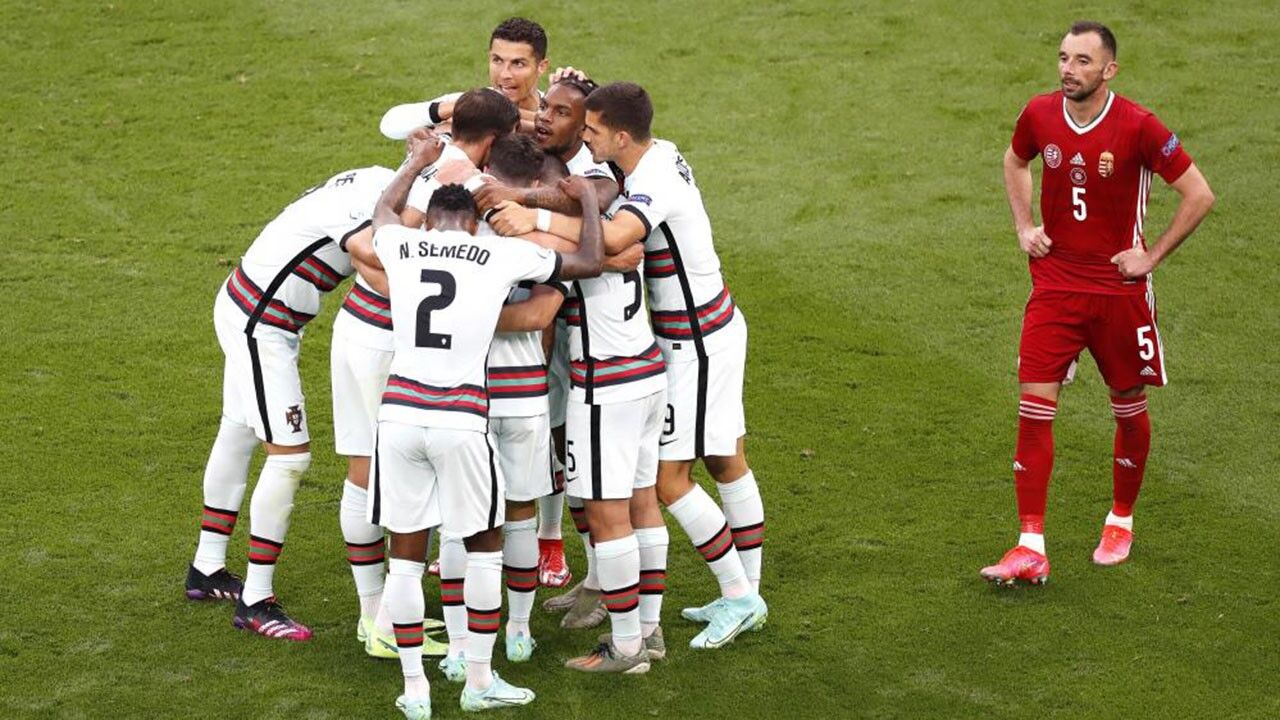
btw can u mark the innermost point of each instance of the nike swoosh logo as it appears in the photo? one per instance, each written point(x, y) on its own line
point(663, 443)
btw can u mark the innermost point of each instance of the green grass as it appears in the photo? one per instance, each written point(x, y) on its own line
point(849, 156)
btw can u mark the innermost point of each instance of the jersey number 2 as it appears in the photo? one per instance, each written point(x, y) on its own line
point(448, 290)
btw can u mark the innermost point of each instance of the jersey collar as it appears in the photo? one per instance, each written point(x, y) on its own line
point(1082, 129)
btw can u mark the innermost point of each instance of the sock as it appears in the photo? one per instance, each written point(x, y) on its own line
point(365, 548)
point(225, 477)
point(407, 608)
point(1118, 521)
point(579, 513)
point(744, 511)
point(551, 507)
point(653, 575)
point(483, 592)
point(704, 523)
point(1033, 464)
point(269, 511)
point(1133, 443)
point(520, 564)
point(453, 570)
point(619, 562)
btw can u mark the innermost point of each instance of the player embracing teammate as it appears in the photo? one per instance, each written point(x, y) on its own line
point(1091, 277)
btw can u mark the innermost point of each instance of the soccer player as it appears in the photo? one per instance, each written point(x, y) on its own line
point(259, 314)
point(433, 463)
point(703, 339)
point(1090, 276)
point(517, 61)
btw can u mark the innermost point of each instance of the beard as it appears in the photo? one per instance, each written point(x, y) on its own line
point(1083, 90)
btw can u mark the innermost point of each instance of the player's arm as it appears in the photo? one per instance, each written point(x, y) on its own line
point(365, 260)
point(533, 313)
point(625, 261)
point(621, 232)
point(1018, 186)
point(1196, 202)
point(400, 121)
point(548, 197)
point(587, 261)
point(392, 201)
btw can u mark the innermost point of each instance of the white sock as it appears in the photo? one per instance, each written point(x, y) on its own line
point(483, 592)
point(619, 568)
point(551, 507)
point(1035, 541)
point(653, 575)
point(520, 563)
point(407, 607)
point(453, 572)
point(269, 511)
point(704, 523)
point(1124, 522)
point(579, 513)
point(225, 477)
point(365, 547)
point(744, 510)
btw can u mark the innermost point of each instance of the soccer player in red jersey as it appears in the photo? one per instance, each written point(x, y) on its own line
point(1091, 276)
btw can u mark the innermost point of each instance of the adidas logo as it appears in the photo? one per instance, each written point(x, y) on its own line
point(1077, 159)
point(1147, 372)
point(1126, 463)
point(1017, 467)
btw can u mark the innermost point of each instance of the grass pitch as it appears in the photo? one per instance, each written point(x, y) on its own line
point(849, 155)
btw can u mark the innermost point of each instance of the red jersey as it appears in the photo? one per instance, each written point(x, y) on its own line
point(1094, 187)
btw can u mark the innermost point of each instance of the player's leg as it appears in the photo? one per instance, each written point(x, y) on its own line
point(553, 571)
point(1130, 357)
point(1053, 335)
point(652, 539)
point(471, 503)
point(586, 608)
point(226, 473)
point(403, 491)
point(453, 571)
point(283, 422)
point(524, 447)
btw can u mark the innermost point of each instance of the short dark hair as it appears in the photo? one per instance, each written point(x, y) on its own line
point(520, 30)
point(516, 159)
point(483, 112)
point(553, 170)
point(1080, 27)
point(623, 106)
point(586, 87)
point(451, 200)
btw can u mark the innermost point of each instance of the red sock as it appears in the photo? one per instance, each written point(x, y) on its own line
point(1133, 443)
point(1033, 459)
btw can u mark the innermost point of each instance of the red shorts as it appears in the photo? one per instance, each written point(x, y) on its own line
point(1118, 330)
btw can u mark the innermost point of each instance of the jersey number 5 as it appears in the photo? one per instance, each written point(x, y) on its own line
point(630, 311)
point(448, 290)
point(1078, 209)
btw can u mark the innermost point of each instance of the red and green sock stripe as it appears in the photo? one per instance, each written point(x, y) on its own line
point(719, 544)
point(408, 635)
point(521, 579)
point(263, 551)
point(622, 600)
point(484, 621)
point(653, 582)
point(215, 520)
point(373, 553)
point(451, 591)
point(749, 537)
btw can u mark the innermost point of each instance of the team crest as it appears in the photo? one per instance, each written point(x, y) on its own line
point(1106, 164)
point(293, 416)
point(1078, 175)
point(1052, 156)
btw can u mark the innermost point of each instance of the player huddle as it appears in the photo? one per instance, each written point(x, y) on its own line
point(537, 306)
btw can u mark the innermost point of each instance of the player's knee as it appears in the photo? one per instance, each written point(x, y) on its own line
point(521, 510)
point(486, 541)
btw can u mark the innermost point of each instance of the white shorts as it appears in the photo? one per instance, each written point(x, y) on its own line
point(558, 375)
point(524, 455)
point(612, 450)
point(704, 414)
point(358, 376)
point(424, 477)
point(261, 387)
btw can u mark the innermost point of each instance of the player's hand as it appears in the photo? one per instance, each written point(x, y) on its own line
point(1134, 263)
point(568, 71)
point(493, 194)
point(456, 172)
point(424, 147)
point(578, 188)
point(514, 219)
point(625, 261)
point(1034, 242)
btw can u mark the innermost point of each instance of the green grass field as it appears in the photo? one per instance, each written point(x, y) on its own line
point(849, 155)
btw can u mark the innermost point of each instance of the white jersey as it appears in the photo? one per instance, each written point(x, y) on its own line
point(400, 121)
point(517, 365)
point(582, 165)
point(612, 353)
point(447, 290)
point(301, 254)
point(426, 185)
point(689, 299)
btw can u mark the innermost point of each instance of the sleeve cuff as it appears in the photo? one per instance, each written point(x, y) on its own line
point(636, 211)
point(342, 243)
